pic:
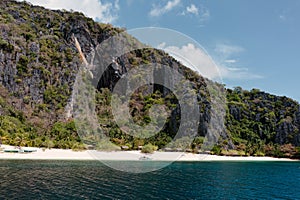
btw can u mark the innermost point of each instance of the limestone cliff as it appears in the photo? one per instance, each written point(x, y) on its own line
point(39, 62)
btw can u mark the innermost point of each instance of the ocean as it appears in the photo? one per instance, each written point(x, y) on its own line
point(24, 179)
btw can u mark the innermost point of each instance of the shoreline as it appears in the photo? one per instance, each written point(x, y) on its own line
point(62, 154)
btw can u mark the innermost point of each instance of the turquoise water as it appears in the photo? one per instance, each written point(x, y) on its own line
point(181, 180)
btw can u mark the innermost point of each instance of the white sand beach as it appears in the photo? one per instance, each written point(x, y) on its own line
point(61, 154)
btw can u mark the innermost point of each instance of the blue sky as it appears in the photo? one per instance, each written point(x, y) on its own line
point(255, 42)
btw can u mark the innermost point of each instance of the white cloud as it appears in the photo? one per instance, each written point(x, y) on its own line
point(240, 73)
point(160, 10)
point(282, 17)
point(226, 50)
point(198, 60)
point(201, 12)
point(194, 58)
point(231, 61)
point(117, 5)
point(205, 14)
point(192, 9)
point(103, 12)
point(237, 69)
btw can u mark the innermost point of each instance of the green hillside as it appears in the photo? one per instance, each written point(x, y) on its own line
point(38, 66)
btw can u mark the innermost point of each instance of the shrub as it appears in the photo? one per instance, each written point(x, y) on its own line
point(216, 150)
point(149, 148)
point(22, 64)
point(6, 46)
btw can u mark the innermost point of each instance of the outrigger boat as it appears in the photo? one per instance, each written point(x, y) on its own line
point(143, 158)
point(19, 150)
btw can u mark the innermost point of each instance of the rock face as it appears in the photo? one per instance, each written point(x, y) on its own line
point(39, 63)
point(38, 58)
point(260, 115)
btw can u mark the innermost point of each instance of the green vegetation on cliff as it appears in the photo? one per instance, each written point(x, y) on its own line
point(38, 67)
